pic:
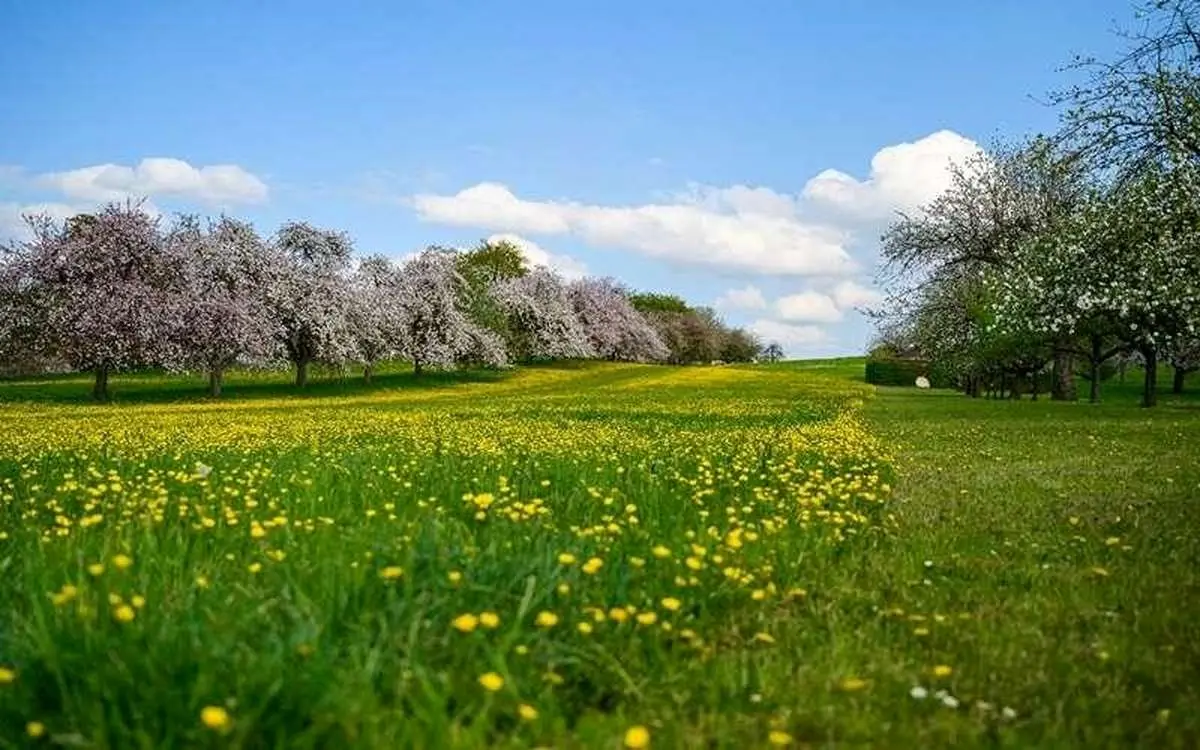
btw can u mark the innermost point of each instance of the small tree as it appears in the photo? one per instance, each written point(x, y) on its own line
point(773, 352)
point(376, 313)
point(540, 322)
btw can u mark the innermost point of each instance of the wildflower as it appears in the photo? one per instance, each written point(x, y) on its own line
point(254, 567)
point(95, 569)
point(647, 618)
point(661, 552)
point(919, 693)
point(764, 638)
point(949, 701)
point(618, 615)
point(921, 631)
point(585, 628)
point(563, 589)
point(214, 717)
point(779, 738)
point(7, 675)
point(489, 620)
point(592, 566)
point(853, 684)
point(454, 577)
point(1008, 713)
point(527, 712)
point(35, 729)
point(671, 604)
point(546, 619)
point(491, 681)
point(137, 601)
point(465, 623)
point(122, 562)
point(201, 582)
point(942, 670)
point(637, 737)
point(566, 558)
point(124, 613)
point(391, 572)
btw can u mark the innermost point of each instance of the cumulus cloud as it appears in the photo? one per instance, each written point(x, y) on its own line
point(903, 177)
point(747, 298)
point(12, 217)
point(851, 295)
point(535, 255)
point(711, 230)
point(807, 307)
point(217, 184)
point(739, 228)
point(793, 338)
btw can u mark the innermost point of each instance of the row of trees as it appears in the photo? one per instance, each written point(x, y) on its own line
point(1064, 252)
point(116, 290)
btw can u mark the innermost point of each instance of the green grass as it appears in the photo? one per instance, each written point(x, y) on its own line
point(1046, 552)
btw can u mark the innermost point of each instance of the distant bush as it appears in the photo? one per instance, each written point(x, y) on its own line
point(886, 370)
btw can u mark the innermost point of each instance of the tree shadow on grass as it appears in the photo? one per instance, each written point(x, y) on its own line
point(151, 387)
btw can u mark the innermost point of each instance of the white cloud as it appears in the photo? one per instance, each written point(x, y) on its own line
point(216, 184)
point(792, 338)
point(716, 229)
point(747, 298)
point(849, 294)
point(739, 228)
point(903, 177)
point(12, 217)
point(535, 255)
point(807, 307)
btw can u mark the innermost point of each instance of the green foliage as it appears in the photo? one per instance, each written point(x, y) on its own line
point(647, 302)
point(886, 370)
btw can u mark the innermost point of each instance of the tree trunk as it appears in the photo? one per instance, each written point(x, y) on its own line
point(417, 367)
point(302, 373)
point(215, 376)
point(368, 373)
point(1063, 388)
point(1177, 384)
point(1094, 386)
point(1034, 386)
point(100, 387)
point(1150, 385)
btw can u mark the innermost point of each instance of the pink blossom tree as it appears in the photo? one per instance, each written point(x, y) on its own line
point(226, 319)
point(376, 314)
point(615, 330)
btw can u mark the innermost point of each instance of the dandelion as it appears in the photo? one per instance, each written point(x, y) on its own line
point(214, 717)
point(254, 567)
point(527, 712)
point(35, 729)
point(124, 613)
point(7, 675)
point(853, 684)
point(661, 552)
point(201, 582)
point(491, 681)
point(585, 628)
point(546, 619)
point(637, 737)
point(489, 620)
point(391, 572)
point(137, 601)
point(647, 618)
point(455, 577)
point(593, 565)
point(465, 623)
point(671, 604)
point(941, 670)
point(122, 562)
point(95, 569)
point(566, 558)
point(779, 738)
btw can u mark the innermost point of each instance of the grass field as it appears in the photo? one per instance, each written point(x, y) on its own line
point(593, 556)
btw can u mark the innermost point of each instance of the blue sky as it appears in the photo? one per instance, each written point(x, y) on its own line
point(678, 146)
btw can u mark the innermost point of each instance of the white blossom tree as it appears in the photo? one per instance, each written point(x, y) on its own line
point(226, 318)
point(615, 329)
point(540, 320)
point(436, 331)
point(310, 298)
point(377, 312)
point(107, 291)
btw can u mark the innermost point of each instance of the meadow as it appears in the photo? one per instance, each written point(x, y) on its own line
point(595, 555)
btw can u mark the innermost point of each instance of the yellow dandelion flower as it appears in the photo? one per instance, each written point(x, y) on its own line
point(95, 569)
point(455, 577)
point(491, 681)
point(593, 565)
point(585, 628)
point(527, 712)
point(254, 567)
point(214, 717)
point(941, 670)
point(7, 675)
point(489, 620)
point(647, 618)
point(661, 552)
point(546, 619)
point(637, 737)
point(853, 684)
point(124, 613)
point(122, 562)
point(391, 572)
point(137, 601)
point(671, 604)
point(35, 729)
point(465, 623)
point(779, 738)
point(201, 582)
point(566, 558)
